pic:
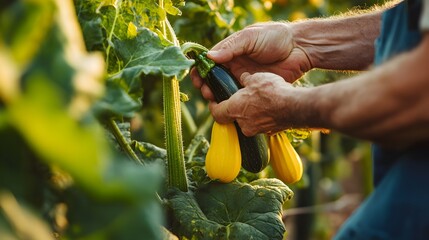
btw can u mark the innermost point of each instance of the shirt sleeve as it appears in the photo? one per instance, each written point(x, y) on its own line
point(424, 20)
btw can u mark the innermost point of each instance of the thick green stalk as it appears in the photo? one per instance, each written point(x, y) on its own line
point(173, 132)
point(173, 121)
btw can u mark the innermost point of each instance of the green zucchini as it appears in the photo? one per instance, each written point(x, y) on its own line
point(223, 84)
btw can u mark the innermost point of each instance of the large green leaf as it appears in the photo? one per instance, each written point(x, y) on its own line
point(146, 55)
point(130, 57)
point(142, 58)
point(231, 211)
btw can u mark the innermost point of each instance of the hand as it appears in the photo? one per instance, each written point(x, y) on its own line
point(264, 47)
point(258, 107)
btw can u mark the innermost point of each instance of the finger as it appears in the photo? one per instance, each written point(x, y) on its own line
point(248, 132)
point(252, 129)
point(207, 93)
point(197, 81)
point(246, 129)
point(220, 112)
point(237, 44)
point(273, 132)
point(244, 78)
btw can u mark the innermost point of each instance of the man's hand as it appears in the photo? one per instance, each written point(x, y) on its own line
point(258, 107)
point(264, 47)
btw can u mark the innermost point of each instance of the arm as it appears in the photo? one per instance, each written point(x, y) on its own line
point(291, 49)
point(388, 105)
point(339, 43)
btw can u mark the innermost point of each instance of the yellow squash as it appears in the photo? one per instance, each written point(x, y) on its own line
point(223, 160)
point(285, 161)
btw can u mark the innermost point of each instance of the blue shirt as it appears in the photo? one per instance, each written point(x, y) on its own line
point(400, 32)
point(398, 208)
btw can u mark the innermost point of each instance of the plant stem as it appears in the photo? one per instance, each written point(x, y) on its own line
point(193, 47)
point(205, 126)
point(173, 132)
point(196, 142)
point(122, 141)
point(189, 125)
point(109, 38)
point(172, 119)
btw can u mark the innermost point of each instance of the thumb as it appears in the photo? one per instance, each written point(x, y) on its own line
point(222, 55)
point(220, 112)
point(244, 78)
point(235, 45)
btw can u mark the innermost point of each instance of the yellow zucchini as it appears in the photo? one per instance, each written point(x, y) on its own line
point(223, 159)
point(285, 161)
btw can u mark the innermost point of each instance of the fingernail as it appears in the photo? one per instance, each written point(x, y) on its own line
point(244, 75)
point(213, 53)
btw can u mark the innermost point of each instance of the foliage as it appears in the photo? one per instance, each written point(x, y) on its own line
point(53, 152)
point(231, 211)
point(133, 53)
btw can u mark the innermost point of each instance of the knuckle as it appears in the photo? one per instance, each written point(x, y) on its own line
point(247, 132)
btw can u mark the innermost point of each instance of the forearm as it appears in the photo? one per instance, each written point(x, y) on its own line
point(388, 104)
point(345, 43)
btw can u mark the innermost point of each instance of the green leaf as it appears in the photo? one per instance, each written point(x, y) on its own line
point(91, 24)
point(190, 221)
point(142, 58)
point(200, 22)
point(113, 218)
point(231, 211)
point(149, 152)
point(170, 9)
point(116, 102)
point(92, 32)
point(145, 55)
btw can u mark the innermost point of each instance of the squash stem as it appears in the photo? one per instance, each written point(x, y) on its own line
point(193, 47)
point(172, 120)
point(204, 64)
point(173, 132)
